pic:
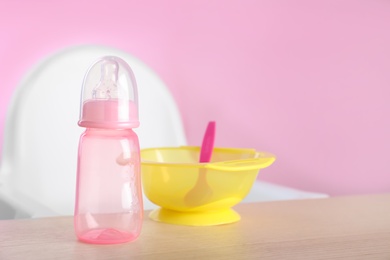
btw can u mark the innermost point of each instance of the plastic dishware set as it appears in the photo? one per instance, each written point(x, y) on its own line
point(194, 186)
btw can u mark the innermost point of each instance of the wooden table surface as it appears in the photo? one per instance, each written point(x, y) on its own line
point(356, 227)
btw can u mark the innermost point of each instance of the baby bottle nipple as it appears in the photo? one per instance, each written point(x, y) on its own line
point(107, 87)
point(109, 98)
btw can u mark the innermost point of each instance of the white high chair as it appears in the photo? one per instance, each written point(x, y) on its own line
point(38, 167)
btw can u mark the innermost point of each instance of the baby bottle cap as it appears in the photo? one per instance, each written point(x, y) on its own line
point(109, 95)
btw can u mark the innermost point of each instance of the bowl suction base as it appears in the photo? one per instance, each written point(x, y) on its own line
point(197, 218)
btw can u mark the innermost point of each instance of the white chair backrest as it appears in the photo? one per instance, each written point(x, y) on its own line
point(41, 133)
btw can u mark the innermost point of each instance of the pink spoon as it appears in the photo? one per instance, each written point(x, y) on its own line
point(202, 192)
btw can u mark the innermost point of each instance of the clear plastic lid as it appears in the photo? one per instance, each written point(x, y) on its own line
point(109, 96)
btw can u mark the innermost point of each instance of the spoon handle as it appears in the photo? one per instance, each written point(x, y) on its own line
point(208, 143)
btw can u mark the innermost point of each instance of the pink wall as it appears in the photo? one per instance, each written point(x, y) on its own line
point(307, 80)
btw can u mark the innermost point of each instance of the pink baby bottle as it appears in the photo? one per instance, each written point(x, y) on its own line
point(108, 206)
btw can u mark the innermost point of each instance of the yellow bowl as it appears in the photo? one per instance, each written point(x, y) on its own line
point(199, 194)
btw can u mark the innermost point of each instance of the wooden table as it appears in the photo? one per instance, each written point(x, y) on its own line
point(356, 227)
